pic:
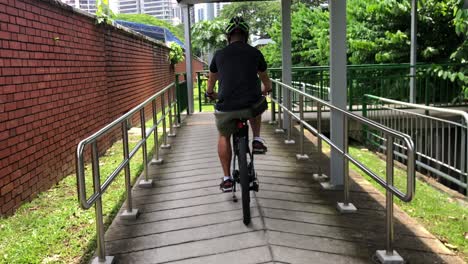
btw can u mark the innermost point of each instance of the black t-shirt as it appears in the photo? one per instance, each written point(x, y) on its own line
point(236, 66)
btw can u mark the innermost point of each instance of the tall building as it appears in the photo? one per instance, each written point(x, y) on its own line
point(86, 5)
point(129, 6)
point(167, 10)
point(201, 11)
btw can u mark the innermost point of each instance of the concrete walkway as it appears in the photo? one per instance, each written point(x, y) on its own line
point(186, 219)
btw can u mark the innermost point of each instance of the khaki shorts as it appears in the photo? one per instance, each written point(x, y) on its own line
point(225, 120)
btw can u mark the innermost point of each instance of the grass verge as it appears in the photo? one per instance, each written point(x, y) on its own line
point(53, 228)
point(441, 215)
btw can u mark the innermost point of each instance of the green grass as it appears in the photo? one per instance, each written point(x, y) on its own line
point(53, 228)
point(441, 215)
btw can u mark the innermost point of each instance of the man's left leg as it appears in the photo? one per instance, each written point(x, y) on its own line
point(258, 144)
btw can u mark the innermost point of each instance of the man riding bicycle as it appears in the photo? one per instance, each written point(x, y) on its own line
point(237, 67)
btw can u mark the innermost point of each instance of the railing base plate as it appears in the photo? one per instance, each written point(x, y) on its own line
point(272, 122)
point(126, 215)
point(279, 131)
point(156, 161)
point(166, 146)
point(171, 135)
point(330, 187)
point(145, 184)
point(302, 156)
point(289, 142)
point(320, 177)
point(346, 208)
point(109, 260)
point(394, 258)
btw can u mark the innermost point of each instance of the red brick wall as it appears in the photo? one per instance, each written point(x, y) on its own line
point(197, 66)
point(62, 77)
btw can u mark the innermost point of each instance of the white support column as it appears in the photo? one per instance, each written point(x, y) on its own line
point(286, 56)
point(338, 87)
point(414, 29)
point(210, 16)
point(188, 56)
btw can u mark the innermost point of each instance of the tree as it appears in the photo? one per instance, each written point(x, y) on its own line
point(151, 20)
point(309, 38)
point(208, 36)
point(259, 15)
point(378, 32)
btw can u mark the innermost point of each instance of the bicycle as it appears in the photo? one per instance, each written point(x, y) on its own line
point(245, 174)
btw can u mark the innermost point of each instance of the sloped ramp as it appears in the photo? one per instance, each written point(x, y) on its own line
point(186, 219)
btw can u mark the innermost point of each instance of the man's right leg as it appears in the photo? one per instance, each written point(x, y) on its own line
point(258, 144)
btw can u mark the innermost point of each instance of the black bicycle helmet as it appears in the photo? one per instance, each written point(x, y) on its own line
point(237, 23)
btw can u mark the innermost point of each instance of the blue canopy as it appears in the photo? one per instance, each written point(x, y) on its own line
point(155, 32)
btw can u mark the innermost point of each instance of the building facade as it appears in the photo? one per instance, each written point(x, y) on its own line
point(167, 10)
point(201, 11)
point(86, 5)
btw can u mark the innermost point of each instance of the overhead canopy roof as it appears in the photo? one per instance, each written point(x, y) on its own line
point(159, 33)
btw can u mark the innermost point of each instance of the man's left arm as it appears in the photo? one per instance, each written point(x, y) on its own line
point(212, 78)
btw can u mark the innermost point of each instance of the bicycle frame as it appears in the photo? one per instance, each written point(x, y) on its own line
point(245, 175)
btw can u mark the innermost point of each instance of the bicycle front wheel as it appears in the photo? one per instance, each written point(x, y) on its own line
point(244, 180)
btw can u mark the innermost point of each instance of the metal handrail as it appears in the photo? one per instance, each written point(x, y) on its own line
point(428, 152)
point(419, 106)
point(407, 139)
point(391, 135)
point(168, 113)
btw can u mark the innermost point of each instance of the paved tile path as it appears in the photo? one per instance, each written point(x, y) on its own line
point(185, 218)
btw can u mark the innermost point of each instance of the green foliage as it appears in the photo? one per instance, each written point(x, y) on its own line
point(309, 38)
point(378, 32)
point(259, 15)
point(103, 12)
point(208, 35)
point(150, 20)
point(176, 54)
point(458, 73)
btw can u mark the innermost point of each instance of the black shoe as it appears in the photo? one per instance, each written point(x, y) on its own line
point(258, 147)
point(226, 185)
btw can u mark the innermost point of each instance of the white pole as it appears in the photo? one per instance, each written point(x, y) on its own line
point(338, 88)
point(414, 28)
point(286, 56)
point(188, 56)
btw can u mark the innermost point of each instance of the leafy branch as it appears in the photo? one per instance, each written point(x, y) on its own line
point(103, 12)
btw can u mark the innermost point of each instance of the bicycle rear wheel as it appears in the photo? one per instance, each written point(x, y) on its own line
point(244, 180)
